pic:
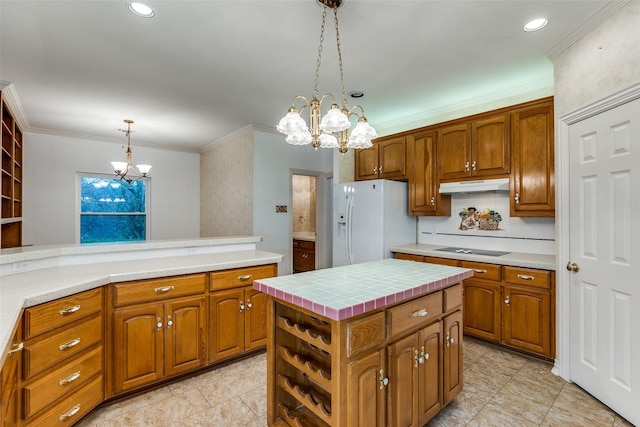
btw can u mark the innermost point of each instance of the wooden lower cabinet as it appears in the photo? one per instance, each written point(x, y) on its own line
point(10, 401)
point(482, 306)
point(159, 340)
point(304, 256)
point(527, 315)
point(403, 363)
point(367, 397)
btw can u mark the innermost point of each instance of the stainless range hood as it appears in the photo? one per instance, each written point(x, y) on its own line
point(478, 186)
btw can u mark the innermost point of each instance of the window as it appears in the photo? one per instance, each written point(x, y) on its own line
point(112, 210)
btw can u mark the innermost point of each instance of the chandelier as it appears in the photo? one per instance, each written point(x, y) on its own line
point(332, 129)
point(126, 170)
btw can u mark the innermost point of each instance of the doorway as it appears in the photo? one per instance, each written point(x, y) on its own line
point(310, 231)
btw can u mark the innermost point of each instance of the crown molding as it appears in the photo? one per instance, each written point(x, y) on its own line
point(10, 95)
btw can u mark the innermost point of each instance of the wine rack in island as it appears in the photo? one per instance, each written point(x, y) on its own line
point(397, 365)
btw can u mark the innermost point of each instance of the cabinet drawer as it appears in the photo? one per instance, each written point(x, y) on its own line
point(240, 276)
point(72, 408)
point(452, 298)
point(69, 342)
point(365, 333)
point(442, 261)
point(303, 244)
point(409, 257)
point(483, 270)
point(414, 314)
point(158, 289)
point(39, 394)
point(46, 317)
point(527, 277)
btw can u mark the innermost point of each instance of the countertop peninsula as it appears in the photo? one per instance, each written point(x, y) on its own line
point(54, 272)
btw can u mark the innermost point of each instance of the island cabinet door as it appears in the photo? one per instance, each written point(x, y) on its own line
point(403, 382)
point(185, 335)
point(429, 372)
point(138, 346)
point(255, 319)
point(227, 324)
point(367, 390)
point(452, 356)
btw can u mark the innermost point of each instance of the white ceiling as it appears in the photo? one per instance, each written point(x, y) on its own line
point(200, 70)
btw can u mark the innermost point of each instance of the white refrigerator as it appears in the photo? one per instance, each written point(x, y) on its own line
point(369, 217)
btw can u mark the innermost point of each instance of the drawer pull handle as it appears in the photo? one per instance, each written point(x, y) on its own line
point(525, 277)
point(245, 277)
point(71, 378)
point(481, 271)
point(163, 290)
point(69, 310)
point(420, 313)
point(70, 344)
point(15, 348)
point(70, 413)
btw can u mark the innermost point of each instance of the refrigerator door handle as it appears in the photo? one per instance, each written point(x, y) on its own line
point(349, 240)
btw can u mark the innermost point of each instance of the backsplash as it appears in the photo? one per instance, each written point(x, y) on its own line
point(481, 220)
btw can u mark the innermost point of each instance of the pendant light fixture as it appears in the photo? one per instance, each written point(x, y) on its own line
point(126, 170)
point(332, 129)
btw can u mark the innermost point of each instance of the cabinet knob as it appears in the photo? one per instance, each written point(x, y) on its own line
point(249, 305)
point(433, 201)
point(379, 169)
point(418, 358)
point(473, 165)
point(241, 306)
point(159, 323)
point(516, 198)
point(572, 266)
point(507, 301)
point(466, 167)
point(384, 381)
point(449, 339)
point(169, 322)
point(375, 170)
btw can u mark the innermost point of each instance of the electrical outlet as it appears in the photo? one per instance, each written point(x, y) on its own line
point(281, 208)
point(20, 266)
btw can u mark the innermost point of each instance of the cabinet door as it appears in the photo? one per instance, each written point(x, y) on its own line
point(366, 406)
point(424, 197)
point(392, 154)
point(255, 319)
point(138, 346)
point(9, 378)
point(532, 182)
point(366, 166)
point(403, 382)
point(429, 373)
point(226, 324)
point(482, 307)
point(527, 319)
point(452, 357)
point(185, 335)
point(454, 152)
point(491, 146)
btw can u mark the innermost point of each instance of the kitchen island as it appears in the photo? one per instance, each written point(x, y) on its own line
point(368, 344)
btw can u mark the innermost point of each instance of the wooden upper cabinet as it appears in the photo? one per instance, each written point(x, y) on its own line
point(481, 148)
point(387, 159)
point(532, 181)
point(424, 197)
point(454, 152)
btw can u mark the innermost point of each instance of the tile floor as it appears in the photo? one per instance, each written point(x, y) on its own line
point(501, 389)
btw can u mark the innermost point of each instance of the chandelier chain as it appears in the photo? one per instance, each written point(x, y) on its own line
point(335, 20)
point(316, 93)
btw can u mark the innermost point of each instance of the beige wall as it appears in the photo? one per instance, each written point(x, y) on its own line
point(226, 186)
point(605, 61)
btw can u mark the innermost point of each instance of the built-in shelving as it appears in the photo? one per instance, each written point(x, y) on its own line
point(11, 177)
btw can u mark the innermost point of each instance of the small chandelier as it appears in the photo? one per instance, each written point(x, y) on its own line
point(332, 129)
point(125, 170)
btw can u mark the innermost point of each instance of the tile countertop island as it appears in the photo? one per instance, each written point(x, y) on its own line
point(35, 275)
point(515, 259)
point(341, 336)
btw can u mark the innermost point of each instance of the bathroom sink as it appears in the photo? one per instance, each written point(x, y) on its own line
point(466, 251)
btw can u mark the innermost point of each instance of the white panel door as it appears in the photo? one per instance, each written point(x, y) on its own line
point(604, 243)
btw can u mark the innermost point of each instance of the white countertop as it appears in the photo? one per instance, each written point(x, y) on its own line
point(516, 259)
point(26, 289)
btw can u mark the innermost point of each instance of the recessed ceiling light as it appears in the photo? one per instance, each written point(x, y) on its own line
point(141, 9)
point(356, 94)
point(536, 24)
